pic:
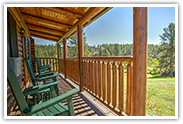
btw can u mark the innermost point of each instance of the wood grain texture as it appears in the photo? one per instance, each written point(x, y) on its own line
point(139, 60)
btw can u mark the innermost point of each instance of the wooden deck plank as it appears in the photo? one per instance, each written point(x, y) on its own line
point(81, 107)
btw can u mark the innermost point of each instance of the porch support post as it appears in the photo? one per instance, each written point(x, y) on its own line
point(58, 55)
point(33, 54)
point(139, 60)
point(80, 53)
point(65, 55)
point(58, 50)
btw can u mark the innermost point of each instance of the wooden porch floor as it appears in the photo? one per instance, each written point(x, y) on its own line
point(82, 105)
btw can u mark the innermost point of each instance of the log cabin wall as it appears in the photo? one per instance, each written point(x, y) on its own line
point(23, 78)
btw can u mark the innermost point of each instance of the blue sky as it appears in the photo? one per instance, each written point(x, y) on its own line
point(116, 26)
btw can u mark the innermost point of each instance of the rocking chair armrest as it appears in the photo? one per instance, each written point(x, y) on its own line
point(48, 103)
point(44, 74)
point(46, 78)
point(36, 89)
point(44, 66)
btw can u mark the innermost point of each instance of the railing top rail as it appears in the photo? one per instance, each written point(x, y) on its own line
point(102, 58)
point(46, 58)
point(72, 58)
point(110, 58)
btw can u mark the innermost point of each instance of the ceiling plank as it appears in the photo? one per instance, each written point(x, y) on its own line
point(41, 32)
point(63, 12)
point(31, 18)
point(46, 30)
point(42, 37)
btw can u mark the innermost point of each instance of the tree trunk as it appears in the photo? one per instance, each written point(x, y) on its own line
point(171, 74)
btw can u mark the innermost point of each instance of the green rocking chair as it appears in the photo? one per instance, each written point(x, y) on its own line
point(52, 107)
point(42, 68)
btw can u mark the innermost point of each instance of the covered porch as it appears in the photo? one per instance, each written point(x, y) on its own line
point(100, 78)
point(83, 106)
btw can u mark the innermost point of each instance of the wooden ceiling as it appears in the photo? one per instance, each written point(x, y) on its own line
point(56, 23)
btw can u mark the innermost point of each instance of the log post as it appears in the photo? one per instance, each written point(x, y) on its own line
point(65, 55)
point(58, 55)
point(139, 60)
point(33, 54)
point(80, 53)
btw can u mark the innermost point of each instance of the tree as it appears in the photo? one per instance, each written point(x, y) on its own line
point(73, 46)
point(167, 50)
point(153, 64)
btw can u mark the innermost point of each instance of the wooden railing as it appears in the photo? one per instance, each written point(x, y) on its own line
point(50, 61)
point(110, 81)
point(72, 69)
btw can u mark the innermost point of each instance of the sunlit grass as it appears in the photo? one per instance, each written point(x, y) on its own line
point(160, 96)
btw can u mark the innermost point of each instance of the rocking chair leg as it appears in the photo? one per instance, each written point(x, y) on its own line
point(70, 106)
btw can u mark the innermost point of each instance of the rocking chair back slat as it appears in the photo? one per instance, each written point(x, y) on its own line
point(14, 85)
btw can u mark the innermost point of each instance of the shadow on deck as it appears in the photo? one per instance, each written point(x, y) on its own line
point(82, 105)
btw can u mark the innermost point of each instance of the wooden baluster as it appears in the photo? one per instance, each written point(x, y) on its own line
point(86, 79)
point(99, 78)
point(109, 82)
point(128, 92)
point(104, 75)
point(96, 78)
point(82, 79)
point(121, 86)
point(43, 62)
point(114, 90)
point(56, 61)
point(92, 76)
point(53, 60)
point(50, 65)
point(131, 89)
point(84, 73)
point(46, 61)
point(89, 75)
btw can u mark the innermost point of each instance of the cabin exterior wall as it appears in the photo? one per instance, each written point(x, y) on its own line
point(18, 45)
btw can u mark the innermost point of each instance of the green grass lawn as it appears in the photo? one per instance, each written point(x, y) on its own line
point(160, 96)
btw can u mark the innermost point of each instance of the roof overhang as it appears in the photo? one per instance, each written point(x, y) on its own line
point(55, 23)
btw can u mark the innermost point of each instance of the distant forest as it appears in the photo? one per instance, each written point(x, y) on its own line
point(161, 58)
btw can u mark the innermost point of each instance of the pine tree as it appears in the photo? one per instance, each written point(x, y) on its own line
point(167, 50)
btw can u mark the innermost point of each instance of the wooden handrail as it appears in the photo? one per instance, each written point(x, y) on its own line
point(110, 58)
point(46, 58)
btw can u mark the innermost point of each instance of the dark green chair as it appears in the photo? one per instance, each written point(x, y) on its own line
point(42, 68)
point(35, 80)
point(47, 108)
point(39, 75)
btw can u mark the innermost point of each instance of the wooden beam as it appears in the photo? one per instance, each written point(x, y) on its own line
point(80, 53)
point(65, 56)
point(88, 15)
point(34, 19)
point(42, 37)
point(63, 12)
point(45, 34)
point(46, 30)
point(139, 60)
